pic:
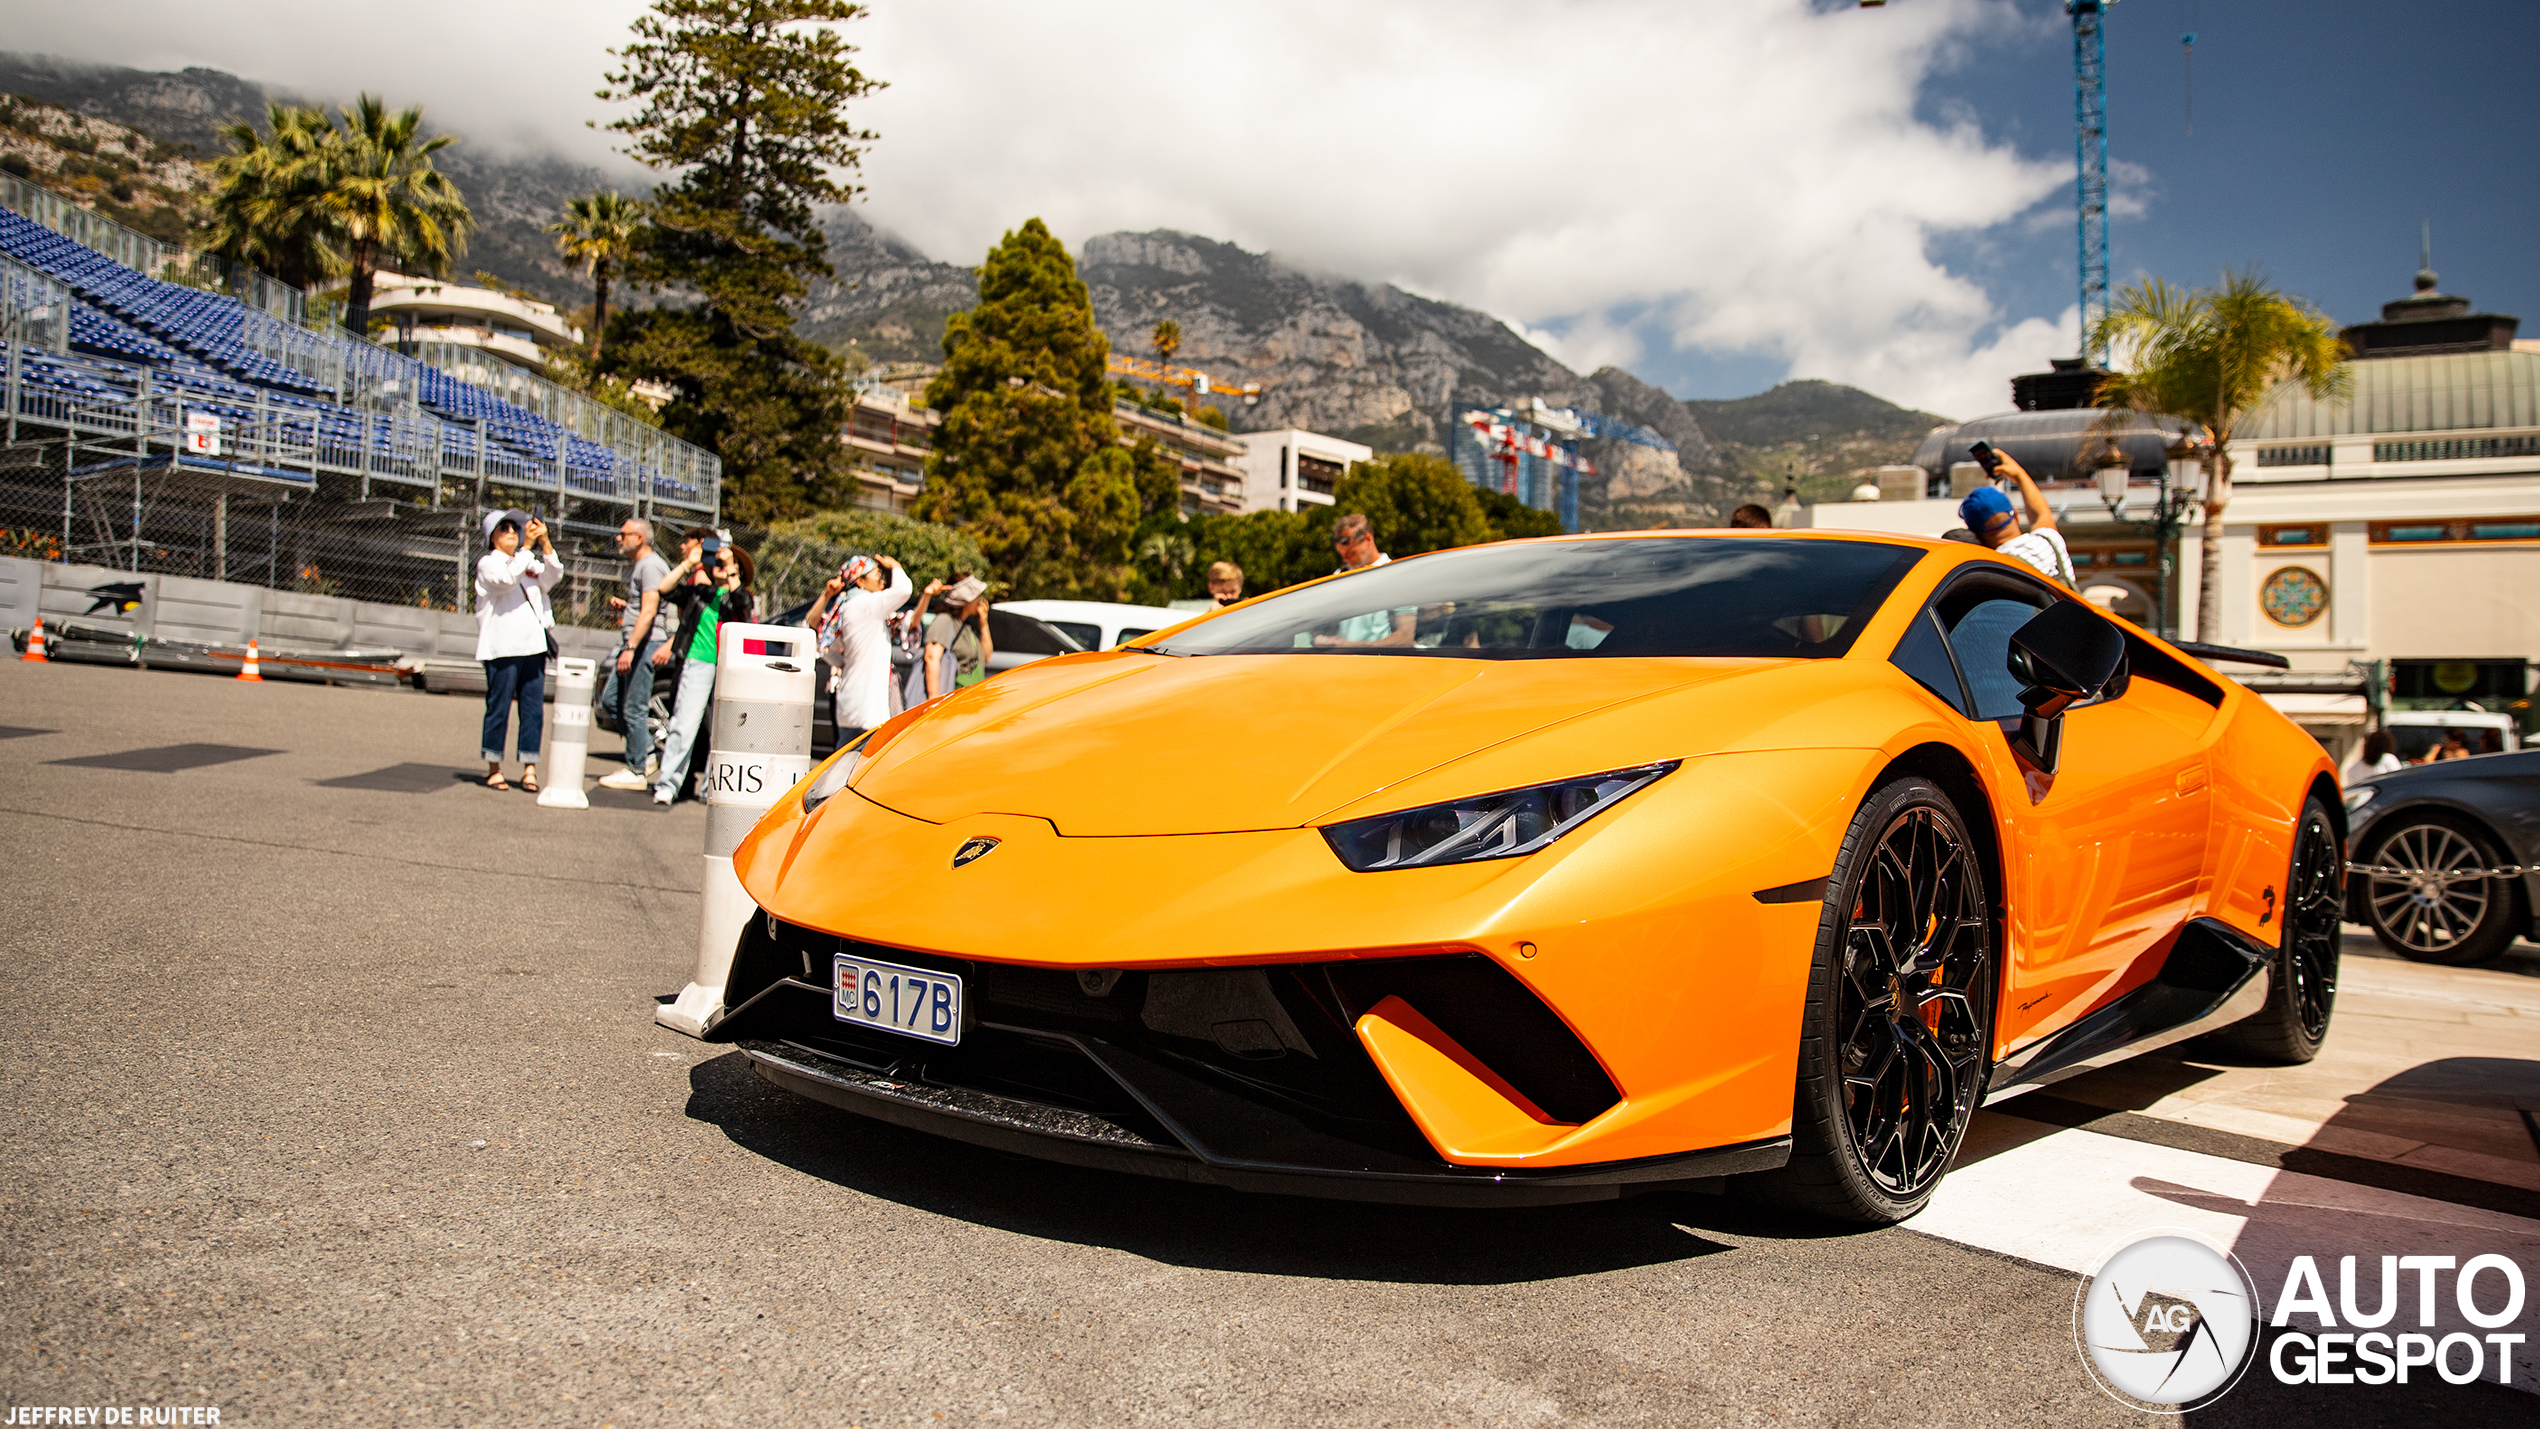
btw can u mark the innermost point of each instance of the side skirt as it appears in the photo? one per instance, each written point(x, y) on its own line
point(2214, 976)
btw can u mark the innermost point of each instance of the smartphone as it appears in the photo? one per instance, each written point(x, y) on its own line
point(1986, 456)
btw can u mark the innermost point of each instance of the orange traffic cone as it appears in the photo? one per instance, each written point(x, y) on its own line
point(249, 672)
point(35, 644)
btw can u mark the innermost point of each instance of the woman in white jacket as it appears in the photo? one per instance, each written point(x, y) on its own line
point(850, 616)
point(512, 621)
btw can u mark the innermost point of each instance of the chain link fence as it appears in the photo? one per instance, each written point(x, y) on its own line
point(67, 499)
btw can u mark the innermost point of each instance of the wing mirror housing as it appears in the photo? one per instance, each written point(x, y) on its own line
point(2064, 655)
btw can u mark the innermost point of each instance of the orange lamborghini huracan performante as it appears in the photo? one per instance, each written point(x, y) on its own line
point(1550, 870)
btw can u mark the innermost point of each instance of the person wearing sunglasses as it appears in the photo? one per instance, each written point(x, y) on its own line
point(1354, 541)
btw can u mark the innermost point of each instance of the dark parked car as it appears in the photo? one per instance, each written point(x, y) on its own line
point(2445, 857)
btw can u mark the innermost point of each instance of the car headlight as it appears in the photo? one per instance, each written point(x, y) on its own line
point(1503, 825)
point(2361, 795)
point(833, 776)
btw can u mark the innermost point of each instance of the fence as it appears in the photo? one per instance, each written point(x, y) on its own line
point(103, 602)
point(315, 534)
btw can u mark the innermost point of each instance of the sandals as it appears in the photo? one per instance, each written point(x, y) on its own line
point(529, 783)
point(495, 780)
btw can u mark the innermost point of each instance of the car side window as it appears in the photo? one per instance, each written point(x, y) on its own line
point(1982, 639)
point(1924, 655)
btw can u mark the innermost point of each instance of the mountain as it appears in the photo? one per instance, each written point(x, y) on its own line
point(513, 198)
point(1819, 436)
point(1367, 361)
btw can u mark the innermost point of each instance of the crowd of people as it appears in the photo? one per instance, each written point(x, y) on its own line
point(888, 644)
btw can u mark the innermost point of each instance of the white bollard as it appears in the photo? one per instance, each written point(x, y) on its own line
point(569, 741)
point(762, 746)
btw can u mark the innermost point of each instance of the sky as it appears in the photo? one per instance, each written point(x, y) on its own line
point(1715, 194)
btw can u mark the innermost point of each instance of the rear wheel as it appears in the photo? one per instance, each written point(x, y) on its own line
point(2302, 977)
point(2436, 903)
point(1898, 1033)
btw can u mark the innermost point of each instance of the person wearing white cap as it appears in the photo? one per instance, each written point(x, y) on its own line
point(850, 616)
point(512, 621)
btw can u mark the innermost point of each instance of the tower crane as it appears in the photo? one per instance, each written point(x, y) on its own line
point(2090, 159)
point(1200, 383)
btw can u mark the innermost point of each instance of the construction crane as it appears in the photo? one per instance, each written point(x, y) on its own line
point(1200, 383)
point(2090, 158)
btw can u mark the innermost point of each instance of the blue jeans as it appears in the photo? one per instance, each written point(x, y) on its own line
point(687, 717)
point(629, 697)
point(521, 678)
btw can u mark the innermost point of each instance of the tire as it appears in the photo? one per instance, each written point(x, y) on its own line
point(2429, 916)
point(1897, 1038)
point(2302, 977)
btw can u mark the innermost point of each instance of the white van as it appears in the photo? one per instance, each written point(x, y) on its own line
point(2419, 733)
point(1097, 624)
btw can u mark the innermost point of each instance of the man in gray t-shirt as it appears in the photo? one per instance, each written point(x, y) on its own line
point(640, 631)
point(960, 632)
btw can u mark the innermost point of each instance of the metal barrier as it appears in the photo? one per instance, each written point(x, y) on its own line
point(764, 678)
point(569, 745)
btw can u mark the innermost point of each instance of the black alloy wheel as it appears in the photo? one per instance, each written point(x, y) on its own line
point(2437, 903)
point(1899, 1028)
point(2302, 977)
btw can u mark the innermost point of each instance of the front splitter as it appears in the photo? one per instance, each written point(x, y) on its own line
point(1082, 1139)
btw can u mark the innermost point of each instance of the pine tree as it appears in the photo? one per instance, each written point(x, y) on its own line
point(748, 108)
point(1028, 458)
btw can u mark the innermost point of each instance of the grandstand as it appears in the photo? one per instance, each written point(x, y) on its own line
point(185, 398)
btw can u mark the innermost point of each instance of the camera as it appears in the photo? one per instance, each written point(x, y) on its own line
point(710, 546)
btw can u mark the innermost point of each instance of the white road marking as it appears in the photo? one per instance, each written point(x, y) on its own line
point(2063, 1198)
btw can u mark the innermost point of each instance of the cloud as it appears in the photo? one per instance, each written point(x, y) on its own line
point(1622, 179)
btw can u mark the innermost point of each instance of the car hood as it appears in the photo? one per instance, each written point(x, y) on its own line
point(1124, 744)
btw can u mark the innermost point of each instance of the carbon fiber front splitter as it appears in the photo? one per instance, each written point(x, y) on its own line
point(1327, 1167)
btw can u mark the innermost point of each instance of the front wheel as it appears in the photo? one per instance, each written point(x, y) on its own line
point(1897, 1038)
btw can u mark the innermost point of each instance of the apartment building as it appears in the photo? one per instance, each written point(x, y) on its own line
point(1294, 470)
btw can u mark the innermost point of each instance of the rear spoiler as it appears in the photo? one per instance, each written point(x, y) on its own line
point(2230, 654)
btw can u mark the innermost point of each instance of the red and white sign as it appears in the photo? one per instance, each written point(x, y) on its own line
point(202, 434)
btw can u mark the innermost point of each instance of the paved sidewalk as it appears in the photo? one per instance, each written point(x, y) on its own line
point(2430, 1067)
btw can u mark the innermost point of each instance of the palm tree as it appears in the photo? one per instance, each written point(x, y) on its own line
point(1167, 339)
point(265, 195)
point(2210, 356)
point(387, 203)
point(599, 231)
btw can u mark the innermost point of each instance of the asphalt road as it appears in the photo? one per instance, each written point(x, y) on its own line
point(344, 1104)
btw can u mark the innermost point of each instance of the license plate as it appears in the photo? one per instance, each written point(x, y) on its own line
point(910, 1001)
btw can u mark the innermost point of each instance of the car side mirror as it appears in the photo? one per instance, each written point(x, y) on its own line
point(2064, 655)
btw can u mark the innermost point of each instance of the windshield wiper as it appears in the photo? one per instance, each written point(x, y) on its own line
point(1155, 650)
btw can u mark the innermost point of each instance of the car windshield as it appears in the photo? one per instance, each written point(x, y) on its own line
point(1650, 596)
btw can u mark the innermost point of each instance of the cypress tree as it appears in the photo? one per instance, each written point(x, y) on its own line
point(1027, 458)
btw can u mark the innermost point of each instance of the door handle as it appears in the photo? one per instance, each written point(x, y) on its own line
point(2191, 779)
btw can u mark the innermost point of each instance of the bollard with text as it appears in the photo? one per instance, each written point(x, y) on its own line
point(764, 678)
point(569, 745)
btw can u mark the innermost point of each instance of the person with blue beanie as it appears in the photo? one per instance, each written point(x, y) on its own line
point(1991, 520)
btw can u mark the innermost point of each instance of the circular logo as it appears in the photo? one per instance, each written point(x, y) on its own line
point(2455, 677)
point(2167, 1321)
point(2294, 596)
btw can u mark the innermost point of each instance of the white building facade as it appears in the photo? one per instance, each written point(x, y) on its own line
point(1294, 470)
